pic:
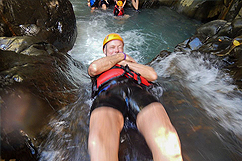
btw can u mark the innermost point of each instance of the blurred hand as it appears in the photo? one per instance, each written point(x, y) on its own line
point(129, 58)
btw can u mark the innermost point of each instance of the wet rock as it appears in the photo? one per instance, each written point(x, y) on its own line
point(188, 118)
point(237, 26)
point(163, 54)
point(222, 39)
point(35, 82)
point(203, 10)
point(195, 127)
point(233, 63)
point(211, 28)
point(17, 144)
point(50, 21)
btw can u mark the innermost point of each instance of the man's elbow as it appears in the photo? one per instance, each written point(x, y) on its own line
point(92, 70)
point(151, 77)
point(154, 76)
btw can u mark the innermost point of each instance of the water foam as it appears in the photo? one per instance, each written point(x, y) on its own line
point(213, 88)
point(88, 46)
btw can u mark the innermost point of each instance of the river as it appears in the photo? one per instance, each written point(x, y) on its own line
point(203, 104)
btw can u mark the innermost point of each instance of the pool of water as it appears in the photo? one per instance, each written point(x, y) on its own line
point(145, 33)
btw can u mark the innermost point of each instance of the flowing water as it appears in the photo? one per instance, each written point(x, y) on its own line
point(204, 106)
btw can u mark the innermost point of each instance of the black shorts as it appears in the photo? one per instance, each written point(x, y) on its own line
point(97, 3)
point(128, 97)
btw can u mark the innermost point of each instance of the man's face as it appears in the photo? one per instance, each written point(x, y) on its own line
point(113, 47)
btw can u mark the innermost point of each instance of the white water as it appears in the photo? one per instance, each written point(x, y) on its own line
point(145, 35)
point(213, 88)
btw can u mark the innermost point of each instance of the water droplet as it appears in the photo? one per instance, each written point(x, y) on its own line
point(17, 78)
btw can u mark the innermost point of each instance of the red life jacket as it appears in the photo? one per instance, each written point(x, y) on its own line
point(118, 71)
point(116, 11)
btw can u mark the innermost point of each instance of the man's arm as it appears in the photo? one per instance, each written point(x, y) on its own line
point(145, 71)
point(103, 64)
point(124, 3)
point(100, 65)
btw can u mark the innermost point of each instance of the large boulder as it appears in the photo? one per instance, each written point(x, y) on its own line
point(203, 10)
point(36, 74)
point(50, 21)
point(35, 82)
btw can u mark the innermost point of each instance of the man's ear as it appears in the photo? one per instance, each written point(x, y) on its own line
point(105, 50)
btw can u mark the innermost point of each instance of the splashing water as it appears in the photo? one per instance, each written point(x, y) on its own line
point(146, 34)
point(213, 88)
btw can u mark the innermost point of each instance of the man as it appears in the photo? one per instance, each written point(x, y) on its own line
point(120, 92)
point(135, 4)
point(118, 9)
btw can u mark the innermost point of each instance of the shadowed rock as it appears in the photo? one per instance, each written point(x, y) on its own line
point(50, 21)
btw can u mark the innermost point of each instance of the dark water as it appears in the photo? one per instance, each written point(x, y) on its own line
point(203, 104)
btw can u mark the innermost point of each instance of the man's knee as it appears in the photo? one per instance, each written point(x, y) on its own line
point(94, 140)
point(104, 7)
point(153, 115)
point(104, 121)
point(154, 123)
point(168, 142)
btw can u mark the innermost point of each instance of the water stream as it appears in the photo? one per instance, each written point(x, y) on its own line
point(203, 104)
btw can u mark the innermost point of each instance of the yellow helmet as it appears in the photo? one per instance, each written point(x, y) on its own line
point(120, 3)
point(110, 37)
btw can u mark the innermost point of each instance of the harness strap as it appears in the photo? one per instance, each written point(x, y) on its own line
point(136, 76)
point(118, 71)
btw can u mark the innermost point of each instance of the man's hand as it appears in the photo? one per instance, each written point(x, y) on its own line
point(146, 71)
point(129, 58)
point(100, 65)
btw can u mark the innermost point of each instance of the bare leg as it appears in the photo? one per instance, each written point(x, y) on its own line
point(104, 7)
point(92, 9)
point(135, 4)
point(104, 131)
point(160, 135)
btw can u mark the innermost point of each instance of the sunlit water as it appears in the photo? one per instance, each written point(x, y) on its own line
point(213, 88)
point(145, 35)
